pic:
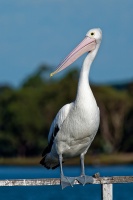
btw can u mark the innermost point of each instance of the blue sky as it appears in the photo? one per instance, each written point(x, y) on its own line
point(33, 32)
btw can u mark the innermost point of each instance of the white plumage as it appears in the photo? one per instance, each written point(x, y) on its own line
point(76, 124)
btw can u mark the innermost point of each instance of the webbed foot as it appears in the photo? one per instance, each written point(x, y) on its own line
point(83, 179)
point(67, 181)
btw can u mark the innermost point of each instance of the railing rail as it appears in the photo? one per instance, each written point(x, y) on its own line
point(106, 183)
point(56, 181)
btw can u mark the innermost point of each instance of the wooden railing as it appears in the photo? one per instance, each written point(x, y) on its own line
point(106, 183)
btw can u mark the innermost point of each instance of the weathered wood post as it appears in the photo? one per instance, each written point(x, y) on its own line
point(107, 191)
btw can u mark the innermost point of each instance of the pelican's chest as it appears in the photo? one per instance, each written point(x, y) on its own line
point(83, 121)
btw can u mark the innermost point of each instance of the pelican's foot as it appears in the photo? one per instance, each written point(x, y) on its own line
point(83, 179)
point(67, 181)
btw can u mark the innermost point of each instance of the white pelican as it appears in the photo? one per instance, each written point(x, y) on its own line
point(76, 124)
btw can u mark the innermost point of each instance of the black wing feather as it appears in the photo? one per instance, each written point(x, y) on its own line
point(48, 148)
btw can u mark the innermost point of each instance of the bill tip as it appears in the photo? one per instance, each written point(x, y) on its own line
point(51, 74)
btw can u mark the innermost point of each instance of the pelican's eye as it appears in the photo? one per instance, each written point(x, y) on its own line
point(92, 33)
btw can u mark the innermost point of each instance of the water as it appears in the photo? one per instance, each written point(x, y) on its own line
point(78, 192)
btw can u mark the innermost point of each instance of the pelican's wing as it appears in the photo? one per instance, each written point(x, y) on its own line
point(56, 126)
point(59, 119)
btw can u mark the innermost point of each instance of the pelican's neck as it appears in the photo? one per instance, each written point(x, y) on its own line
point(84, 89)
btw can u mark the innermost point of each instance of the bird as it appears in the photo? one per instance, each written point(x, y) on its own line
point(76, 124)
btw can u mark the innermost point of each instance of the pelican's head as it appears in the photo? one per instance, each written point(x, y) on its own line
point(90, 42)
point(96, 34)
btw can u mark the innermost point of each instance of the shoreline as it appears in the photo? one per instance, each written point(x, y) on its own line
point(101, 159)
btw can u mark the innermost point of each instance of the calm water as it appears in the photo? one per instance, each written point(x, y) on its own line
point(78, 192)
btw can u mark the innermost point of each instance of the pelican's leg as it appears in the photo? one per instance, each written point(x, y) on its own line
point(65, 181)
point(83, 179)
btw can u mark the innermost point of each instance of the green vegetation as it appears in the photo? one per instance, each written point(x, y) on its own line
point(26, 114)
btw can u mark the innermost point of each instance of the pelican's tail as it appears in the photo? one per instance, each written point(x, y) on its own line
point(49, 162)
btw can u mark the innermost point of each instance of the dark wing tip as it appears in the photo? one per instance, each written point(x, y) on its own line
point(42, 162)
point(48, 149)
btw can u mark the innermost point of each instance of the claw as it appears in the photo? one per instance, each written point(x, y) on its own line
point(67, 181)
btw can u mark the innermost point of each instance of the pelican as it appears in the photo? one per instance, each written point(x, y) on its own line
point(76, 124)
